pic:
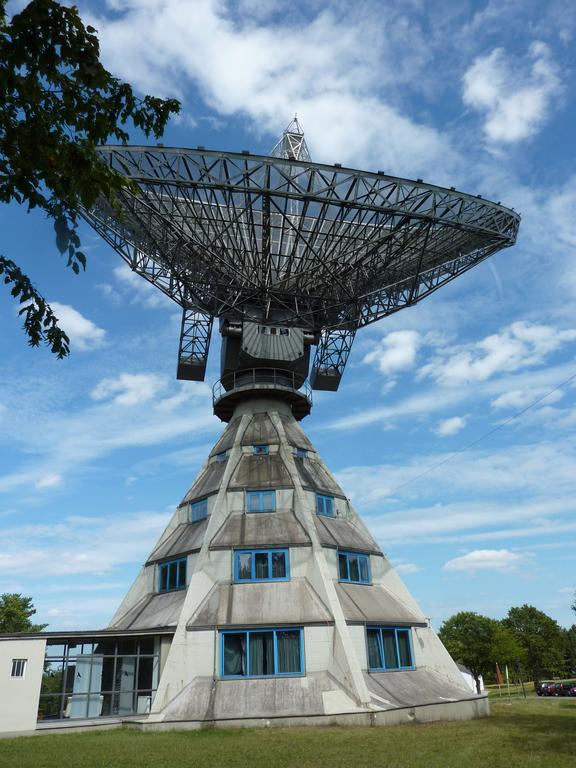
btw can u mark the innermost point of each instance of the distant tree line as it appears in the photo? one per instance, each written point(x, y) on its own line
point(528, 641)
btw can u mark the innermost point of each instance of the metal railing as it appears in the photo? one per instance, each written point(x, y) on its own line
point(260, 378)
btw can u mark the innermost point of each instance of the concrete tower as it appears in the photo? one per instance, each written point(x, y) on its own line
point(282, 604)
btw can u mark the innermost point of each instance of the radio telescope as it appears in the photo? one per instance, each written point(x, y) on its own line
point(266, 598)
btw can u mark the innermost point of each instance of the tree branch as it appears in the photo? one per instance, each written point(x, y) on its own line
point(40, 322)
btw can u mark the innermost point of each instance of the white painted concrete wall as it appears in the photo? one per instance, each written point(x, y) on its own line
point(318, 648)
point(358, 638)
point(429, 652)
point(19, 696)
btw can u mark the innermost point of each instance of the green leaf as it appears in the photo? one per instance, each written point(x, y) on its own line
point(62, 233)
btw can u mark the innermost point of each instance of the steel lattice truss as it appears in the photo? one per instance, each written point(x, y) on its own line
point(331, 357)
point(259, 237)
point(195, 333)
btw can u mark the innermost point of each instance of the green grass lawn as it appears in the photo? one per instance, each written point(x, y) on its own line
point(537, 732)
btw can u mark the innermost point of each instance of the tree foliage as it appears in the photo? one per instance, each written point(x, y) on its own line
point(15, 613)
point(58, 104)
point(478, 642)
point(541, 638)
point(570, 649)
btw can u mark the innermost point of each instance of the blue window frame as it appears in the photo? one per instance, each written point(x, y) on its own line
point(325, 505)
point(172, 575)
point(261, 450)
point(261, 501)
point(389, 648)
point(262, 652)
point(199, 510)
point(354, 567)
point(261, 565)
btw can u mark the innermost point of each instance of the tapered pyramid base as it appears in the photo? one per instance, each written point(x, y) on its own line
point(461, 709)
point(276, 605)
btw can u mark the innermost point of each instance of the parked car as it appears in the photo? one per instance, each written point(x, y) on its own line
point(572, 691)
point(542, 689)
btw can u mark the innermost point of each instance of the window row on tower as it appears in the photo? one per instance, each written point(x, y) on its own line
point(263, 449)
point(279, 652)
point(252, 565)
point(262, 500)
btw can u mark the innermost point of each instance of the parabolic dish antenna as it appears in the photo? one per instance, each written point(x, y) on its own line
point(285, 252)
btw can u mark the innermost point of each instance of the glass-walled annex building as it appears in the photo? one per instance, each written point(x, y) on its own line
point(99, 677)
point(49, 679)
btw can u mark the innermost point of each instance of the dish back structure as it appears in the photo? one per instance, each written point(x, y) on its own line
point(280, 241)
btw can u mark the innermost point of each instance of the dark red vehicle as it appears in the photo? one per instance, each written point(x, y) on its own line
point(556, 689)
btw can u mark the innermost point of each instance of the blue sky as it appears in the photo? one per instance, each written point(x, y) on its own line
point(96, 450)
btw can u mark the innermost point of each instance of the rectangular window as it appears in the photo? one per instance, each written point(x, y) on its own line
point(199, 510)
point(302, 453)
point(261, 450)
point(261, 565)
point(267, 330)
point(261, 501)
point(261, 652)
point(389, 648)
point(222, 456)
point(325, 505)
point(18, 667)
point(354, 567)
point(172, 575)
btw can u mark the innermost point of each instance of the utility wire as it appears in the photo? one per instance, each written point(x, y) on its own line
point(482, 437)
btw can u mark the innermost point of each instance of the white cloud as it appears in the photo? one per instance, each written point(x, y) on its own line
point(486, 560)
point(129, 388)
point(407, 568)
point(450, 395)
point(80, 544)
point(559, 210)
point(49, 481)
point(480, 492)
point(395, 352)
point(520, 398)
point(520, 345)
point(450, 426)
point(410, 406)
point(517, 98)
point(327, 66)
point(84, 334)
point(135, 288)
point(126, 412)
